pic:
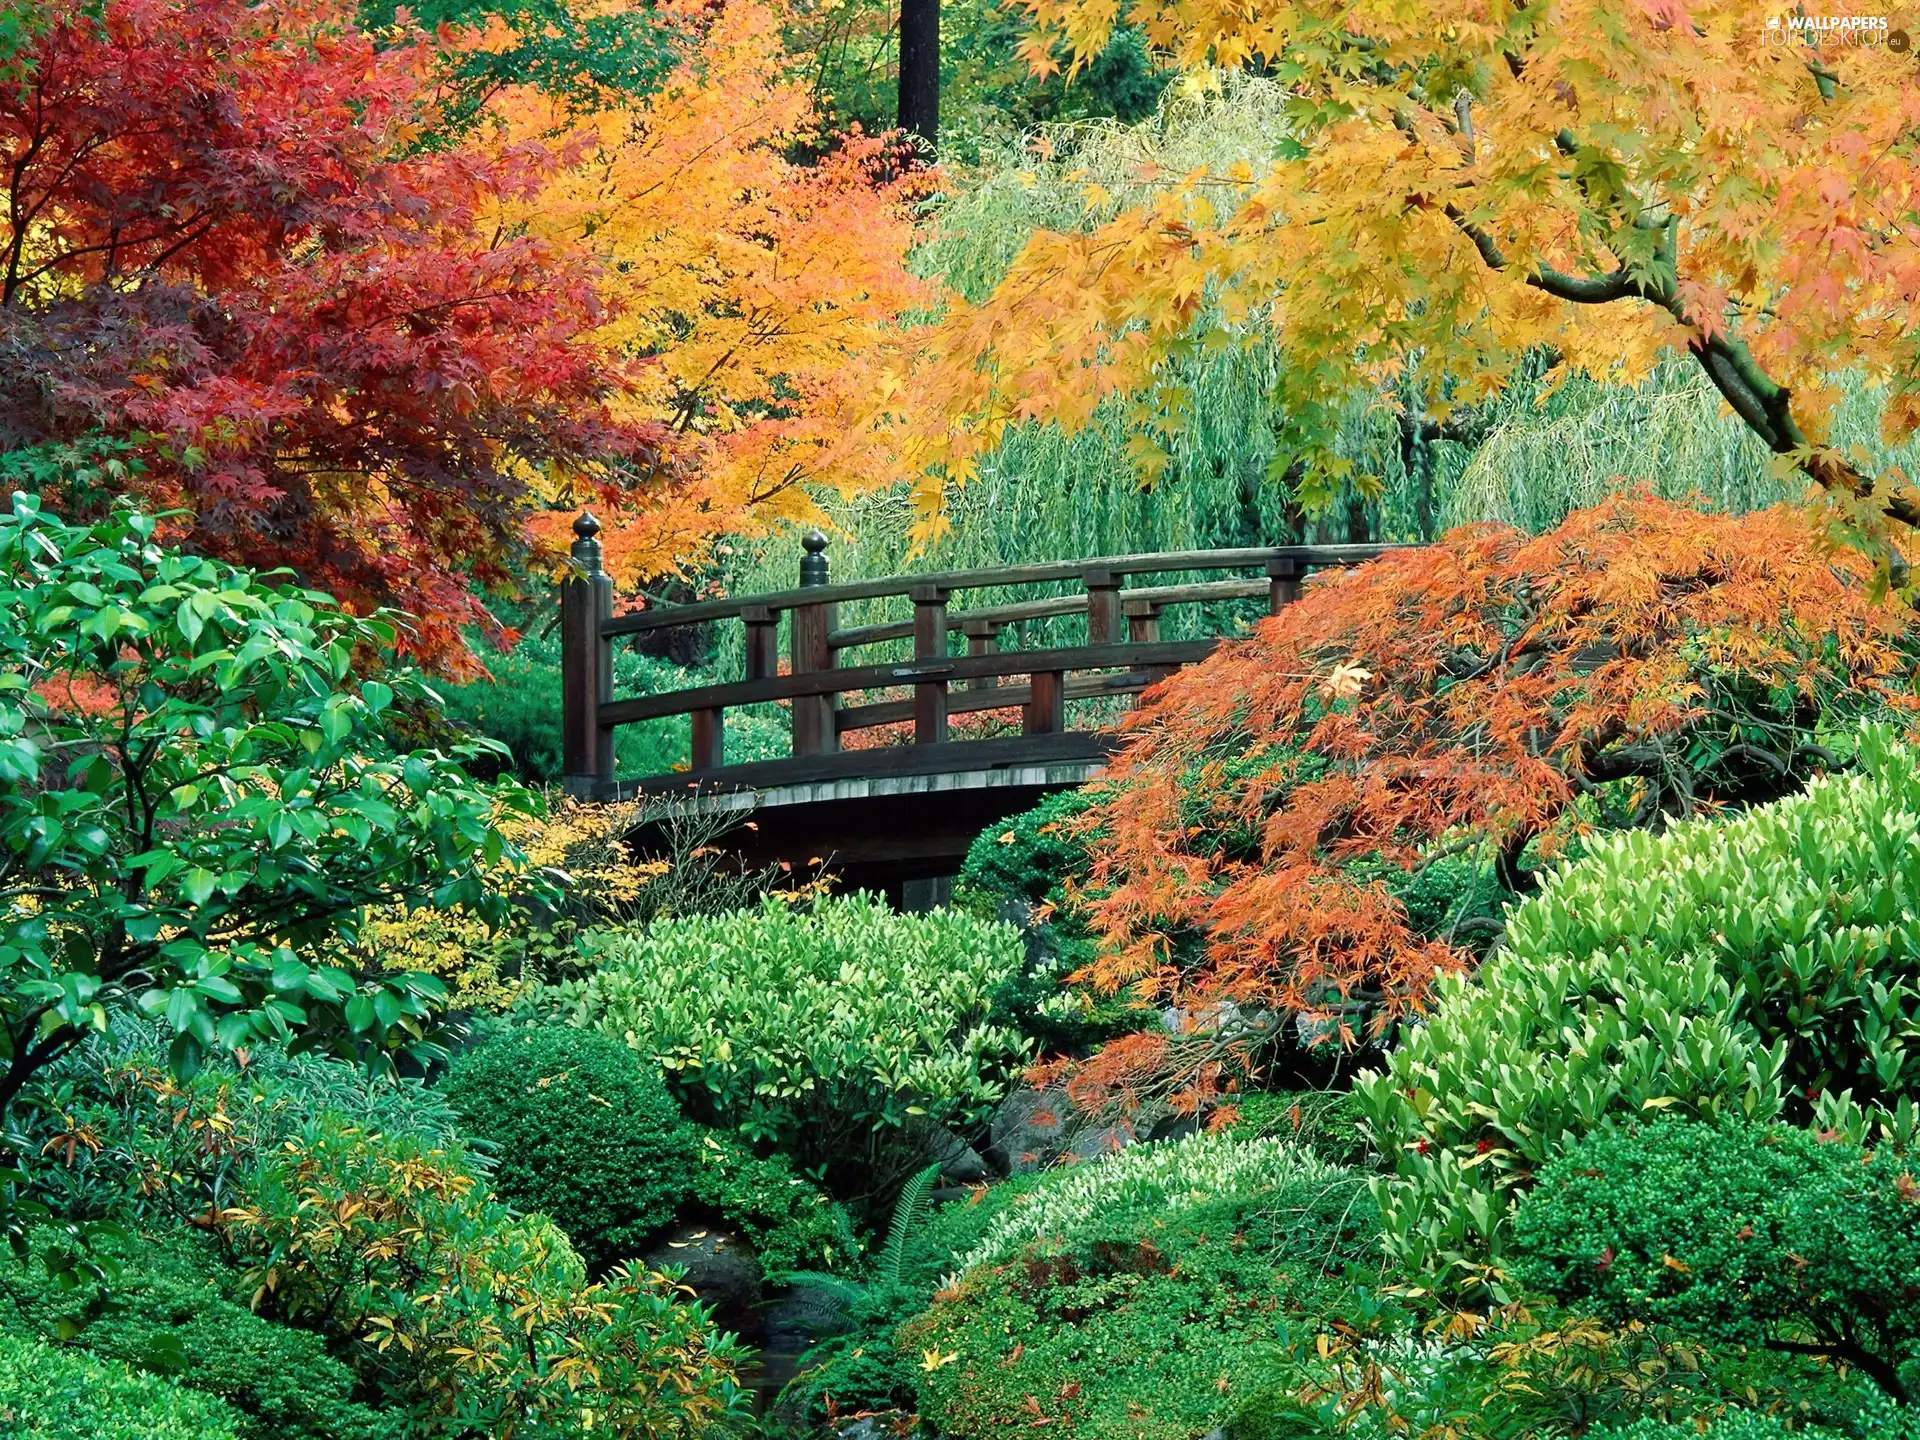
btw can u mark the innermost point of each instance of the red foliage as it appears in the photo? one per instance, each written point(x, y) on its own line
point(1642, 661)
point(223, 236)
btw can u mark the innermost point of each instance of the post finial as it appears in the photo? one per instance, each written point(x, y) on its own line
point(586, 548)
point(813, 564)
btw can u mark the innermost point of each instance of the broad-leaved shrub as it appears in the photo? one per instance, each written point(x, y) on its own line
point(470, 1318)
point(817, 1029)
point(1731, 967)
point(1749, 1235)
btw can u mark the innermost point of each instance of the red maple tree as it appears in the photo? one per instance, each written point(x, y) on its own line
point(225, 243)
point(1494, 695)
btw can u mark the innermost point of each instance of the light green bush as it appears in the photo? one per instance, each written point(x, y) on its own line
point(816, 1029)
point(1167, 1178)
point(1736, 967)
point(48, 1393)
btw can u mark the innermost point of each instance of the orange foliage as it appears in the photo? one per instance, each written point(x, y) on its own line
point(758, 291)
point(1644, 660)
point(1466, 182)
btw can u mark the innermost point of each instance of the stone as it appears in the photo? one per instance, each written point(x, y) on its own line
point(1028, 1128)
point(959, 1162)
point(721, 1269)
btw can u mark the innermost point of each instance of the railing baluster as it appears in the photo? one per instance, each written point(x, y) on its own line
point(586, 668)
point(929, 643)
point(983, 638)
point(1143, 628)
point(708, 750)
point(763, 641)
point(1046, 703)
point(813, 728)
point(1283, 582)
point(1103, 606)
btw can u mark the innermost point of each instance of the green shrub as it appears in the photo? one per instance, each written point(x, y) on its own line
point(788, 1220)
point(469, 1318)
point(822, 1031)
point(1734, 1425)
point(1726, 967)
point(170, 1309)
point(1031, 856)
point(1327, 1122)
point(1134, 1303)
point(1762, 1236)
point(582, 1130)
point(56, 1394)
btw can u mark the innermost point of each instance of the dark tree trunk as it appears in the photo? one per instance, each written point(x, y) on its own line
point(920, 69)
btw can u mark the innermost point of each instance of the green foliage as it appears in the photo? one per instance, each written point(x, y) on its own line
point(171, 1310)
point(518, 706)
point(1728, 967)
point(121, 1138)
point(469, 1318)
point(193, 792)
point(584, 1131)
point(1743, 1235)
point(1327, 1122)
point(1735, 1425)
point(48, 1393)
point(1133, 1304)
point(825, 1031)
point(789, 1221)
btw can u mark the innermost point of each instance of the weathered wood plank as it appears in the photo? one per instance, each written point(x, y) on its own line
point(1160, 564)
point(955, 757)
point(905, 672)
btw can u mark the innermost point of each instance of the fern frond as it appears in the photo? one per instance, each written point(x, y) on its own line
point(909, 1212)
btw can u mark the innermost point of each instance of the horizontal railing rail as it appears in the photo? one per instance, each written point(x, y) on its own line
point(1123, 655)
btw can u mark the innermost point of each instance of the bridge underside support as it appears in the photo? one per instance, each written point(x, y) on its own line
point(894, 833)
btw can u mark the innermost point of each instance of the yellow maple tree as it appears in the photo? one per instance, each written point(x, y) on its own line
point(1468, 181)
point(761, 289)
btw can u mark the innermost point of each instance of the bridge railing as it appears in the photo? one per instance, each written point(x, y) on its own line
point(1123, 654)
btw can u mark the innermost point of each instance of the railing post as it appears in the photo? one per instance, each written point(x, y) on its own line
point(586, 668)
point(1283, 582)
point(929, 643)
point(983, 638)
point(813, 727)
point(763, 641)
point(1046, 703)
point(1143, 628)
point(1103, 606)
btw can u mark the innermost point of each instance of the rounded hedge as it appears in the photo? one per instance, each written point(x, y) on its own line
point(51, 1393)
point(584, 1132)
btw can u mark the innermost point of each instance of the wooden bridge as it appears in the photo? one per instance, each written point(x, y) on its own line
point(898, 816)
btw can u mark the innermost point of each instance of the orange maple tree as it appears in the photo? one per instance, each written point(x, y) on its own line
point(1466, 182)
point(1493, 694)
point(760, 292)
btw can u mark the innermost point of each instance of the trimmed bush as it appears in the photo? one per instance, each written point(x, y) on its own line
point(1724, 968)
point(791, 1223)
point(582, 1130)
point(1762, 1236)
point(1129, 1296)
point(47, 1393)
point(816, 1030)
point(171, 1310)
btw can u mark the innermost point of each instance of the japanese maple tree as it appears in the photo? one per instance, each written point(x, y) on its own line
point(1466, 183)
point(1494, 695)
point(764, 289)
point(223, 244)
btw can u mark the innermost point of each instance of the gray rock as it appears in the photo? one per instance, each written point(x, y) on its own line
point(959, 1162)
point(1029, 1128)
point(721, 1269)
